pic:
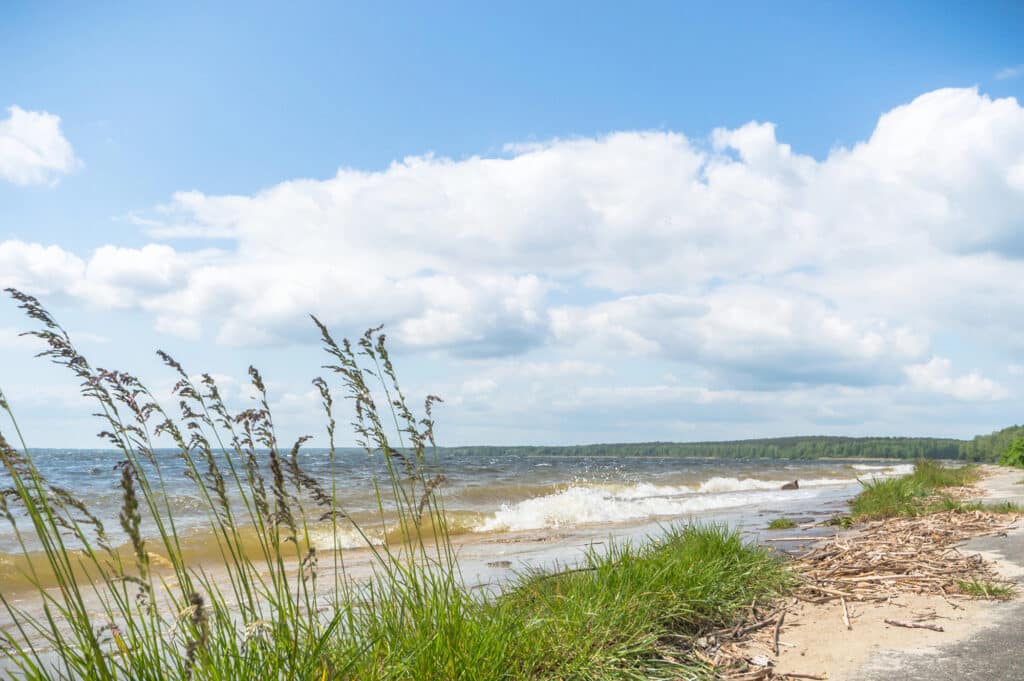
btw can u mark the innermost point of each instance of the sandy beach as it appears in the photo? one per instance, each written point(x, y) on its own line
point(979, 639)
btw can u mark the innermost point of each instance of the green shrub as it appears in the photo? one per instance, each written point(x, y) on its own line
point(1014, 456)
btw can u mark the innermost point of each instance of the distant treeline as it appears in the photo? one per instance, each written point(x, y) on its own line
point(810, 447)
point(990, 447)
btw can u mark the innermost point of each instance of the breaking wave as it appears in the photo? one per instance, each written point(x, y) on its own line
point(584, 504)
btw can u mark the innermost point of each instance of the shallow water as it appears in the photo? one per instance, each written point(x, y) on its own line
point(508, 513)
point(482, 494)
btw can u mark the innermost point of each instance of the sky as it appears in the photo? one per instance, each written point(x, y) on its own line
point(578, 222)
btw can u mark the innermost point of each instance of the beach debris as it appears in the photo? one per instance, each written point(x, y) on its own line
point(875, 562)
point(500, 564)
point(792, 485)
point(900, 555)
point(760, 661)
point(778, 627)
point(914, 625)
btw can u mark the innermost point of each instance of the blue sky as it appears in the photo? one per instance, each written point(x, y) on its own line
point(580, 223)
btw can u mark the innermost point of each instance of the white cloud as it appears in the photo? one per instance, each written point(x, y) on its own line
point(751, 265)
point(12, 339)
point(43, 270)
point(936, 376)
point(758, 335)
point(33, 150)
point(1010, 72)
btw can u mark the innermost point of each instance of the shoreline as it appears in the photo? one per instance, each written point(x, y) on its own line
point(809, 641)
point(857, 640)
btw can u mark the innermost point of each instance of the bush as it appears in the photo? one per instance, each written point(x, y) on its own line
point(1014, 456)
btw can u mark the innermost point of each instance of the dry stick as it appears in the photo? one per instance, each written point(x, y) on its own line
point(793, 675)
point(914, 625)
point(846, 615)
point(736, 633)
point(778, 626)
point(833, 592)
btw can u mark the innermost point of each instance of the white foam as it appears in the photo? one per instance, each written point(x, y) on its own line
point(346, 537)
point(578, 505)
point(583, 503)
point(718, 485)
point(721, 485)
point(891, 469)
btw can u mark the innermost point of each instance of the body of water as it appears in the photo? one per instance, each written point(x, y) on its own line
point(490, 494)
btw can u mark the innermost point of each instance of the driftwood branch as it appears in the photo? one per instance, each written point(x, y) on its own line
point(778, 627)
point(914, 625)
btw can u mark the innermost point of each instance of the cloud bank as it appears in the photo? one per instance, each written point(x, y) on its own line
point(747, 265)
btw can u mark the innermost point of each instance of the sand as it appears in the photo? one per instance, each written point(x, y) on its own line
point(815, 640)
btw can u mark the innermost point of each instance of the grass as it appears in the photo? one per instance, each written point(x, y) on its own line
point(615, 617)
point(843, 521)
point(284, 607)
point(781, 524)
point(914, 494)
point(985, 589)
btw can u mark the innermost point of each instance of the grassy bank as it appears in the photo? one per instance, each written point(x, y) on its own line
point(626, 614)
point(921, 492)
point(287, 610)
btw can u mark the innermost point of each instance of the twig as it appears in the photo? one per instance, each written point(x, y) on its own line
point(736, 633)
point(846, 615)
point(778, 626)
point(914, 625)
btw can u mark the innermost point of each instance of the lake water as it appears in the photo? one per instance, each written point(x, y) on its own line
point(489, 495)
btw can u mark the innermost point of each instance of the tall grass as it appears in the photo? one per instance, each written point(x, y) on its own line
point(913, 494)
point(278, 605)
point(112, 615)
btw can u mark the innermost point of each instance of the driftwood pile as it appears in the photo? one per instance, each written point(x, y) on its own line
point(876, 562)
point(899, 555)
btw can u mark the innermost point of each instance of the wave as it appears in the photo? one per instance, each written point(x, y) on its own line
point(588, 505)
point(875, 471)
point(584, 504)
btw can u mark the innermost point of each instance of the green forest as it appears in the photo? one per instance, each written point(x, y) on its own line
point(992, 446)
point(810, 447)
point(982, 448)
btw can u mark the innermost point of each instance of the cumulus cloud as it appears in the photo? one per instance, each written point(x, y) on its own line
point(754, 335)
point(756, 266)
point(936, 376)
point(33, 150)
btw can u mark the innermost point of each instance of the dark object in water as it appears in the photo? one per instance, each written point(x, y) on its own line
point(500, 564)
point(792, 485)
